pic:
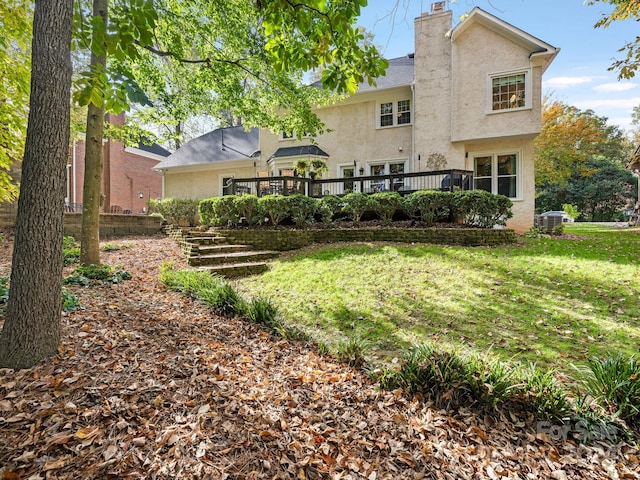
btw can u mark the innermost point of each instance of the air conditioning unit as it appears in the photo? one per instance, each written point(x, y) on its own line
point(438, 7)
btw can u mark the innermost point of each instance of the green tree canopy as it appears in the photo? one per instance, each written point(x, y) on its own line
point(569, 137)
point(15, 63)
point(623, 10)
point(580, 160)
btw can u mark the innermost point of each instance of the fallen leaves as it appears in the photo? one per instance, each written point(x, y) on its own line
point(157, 387)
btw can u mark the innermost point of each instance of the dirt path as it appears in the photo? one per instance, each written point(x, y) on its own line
point(148, 384)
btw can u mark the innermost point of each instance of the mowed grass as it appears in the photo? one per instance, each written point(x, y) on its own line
point(552, 301)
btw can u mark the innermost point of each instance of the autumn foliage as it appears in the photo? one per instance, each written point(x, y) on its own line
point(568, 138)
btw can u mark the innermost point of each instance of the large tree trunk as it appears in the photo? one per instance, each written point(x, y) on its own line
point(32, 327)
point(90, 232)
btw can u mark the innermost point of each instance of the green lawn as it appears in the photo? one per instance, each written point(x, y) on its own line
point(552, 301)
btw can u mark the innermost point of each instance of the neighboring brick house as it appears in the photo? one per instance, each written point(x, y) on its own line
point(128, 177)
point(470, 97)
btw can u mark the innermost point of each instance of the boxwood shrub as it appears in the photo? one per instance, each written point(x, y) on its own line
point(385, 205)
point(475, 208)
point(176, 211)
point(479, 208)
point(302, 209)
point(428, 206)
point(276, 207)
point(219, 211)
point(355, 204)
point(248, 207)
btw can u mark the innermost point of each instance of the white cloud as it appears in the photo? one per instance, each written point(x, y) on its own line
point(625, 104)
point(615, 87)
point(566, 82)
point(622, 122)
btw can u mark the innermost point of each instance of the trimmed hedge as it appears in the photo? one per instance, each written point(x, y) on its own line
point(176, 211)
point(428, 206)
point(474, 208)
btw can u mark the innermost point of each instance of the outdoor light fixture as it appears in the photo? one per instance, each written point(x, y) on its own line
point(140, 194)
point(361, 171)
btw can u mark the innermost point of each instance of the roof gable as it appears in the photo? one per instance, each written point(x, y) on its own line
point(222, 144)
point(539, 50)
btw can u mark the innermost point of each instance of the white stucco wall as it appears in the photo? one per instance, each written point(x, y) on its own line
point(523, 206)
point(353, 134)
point(477, 54)
point(203, 181)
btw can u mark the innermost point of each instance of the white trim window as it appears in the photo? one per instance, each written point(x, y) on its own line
point(292, 136)
point(497, 173)
point(510, 91)
point(394, 113)
point(389, 167)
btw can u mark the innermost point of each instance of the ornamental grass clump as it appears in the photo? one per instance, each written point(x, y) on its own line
point(214, 291)
point(614, 384)
point(352, 352)
point(262, 311)
point(543, 395)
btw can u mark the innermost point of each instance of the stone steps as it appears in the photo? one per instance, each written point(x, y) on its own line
point(211, 252)
point(234, 270)
point(221, 248)
point(231, 258)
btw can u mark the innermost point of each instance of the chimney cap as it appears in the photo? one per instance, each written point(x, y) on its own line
point(438, 7)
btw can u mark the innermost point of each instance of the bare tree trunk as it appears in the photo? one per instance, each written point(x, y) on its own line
point(32, 328)
point(177, 141)
point(90, 232)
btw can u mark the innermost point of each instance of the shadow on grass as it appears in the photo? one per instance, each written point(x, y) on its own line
point(484, 298)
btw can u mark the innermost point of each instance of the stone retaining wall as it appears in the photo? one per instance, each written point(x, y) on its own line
point(282, 240)
point(115, 225)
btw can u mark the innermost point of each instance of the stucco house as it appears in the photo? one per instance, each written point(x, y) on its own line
point(469, 98)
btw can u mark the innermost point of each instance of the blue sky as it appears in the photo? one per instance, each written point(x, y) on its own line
point(578, 75)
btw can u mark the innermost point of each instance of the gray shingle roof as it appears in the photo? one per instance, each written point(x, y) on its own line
point(219, 145)
point(155, 149)
point(399, 73)
point(300, 150)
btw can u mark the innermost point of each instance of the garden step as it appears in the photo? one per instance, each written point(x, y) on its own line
point(222, 248)
point(236, 269)
point(233, 257)
point(207, 240)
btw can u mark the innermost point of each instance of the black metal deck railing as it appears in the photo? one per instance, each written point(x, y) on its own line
point(403, 183)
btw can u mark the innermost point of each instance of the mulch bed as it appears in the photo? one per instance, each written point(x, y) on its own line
point(149, 384)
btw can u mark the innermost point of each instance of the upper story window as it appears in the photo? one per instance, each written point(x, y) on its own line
point(404, 112)
point(292, 135)
point(511, 90)
point(396, 113)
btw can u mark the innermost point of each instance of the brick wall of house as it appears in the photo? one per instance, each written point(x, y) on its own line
point(126, 173)
point(138, 170)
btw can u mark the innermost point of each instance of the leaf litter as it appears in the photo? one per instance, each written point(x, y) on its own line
point(150, 384)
